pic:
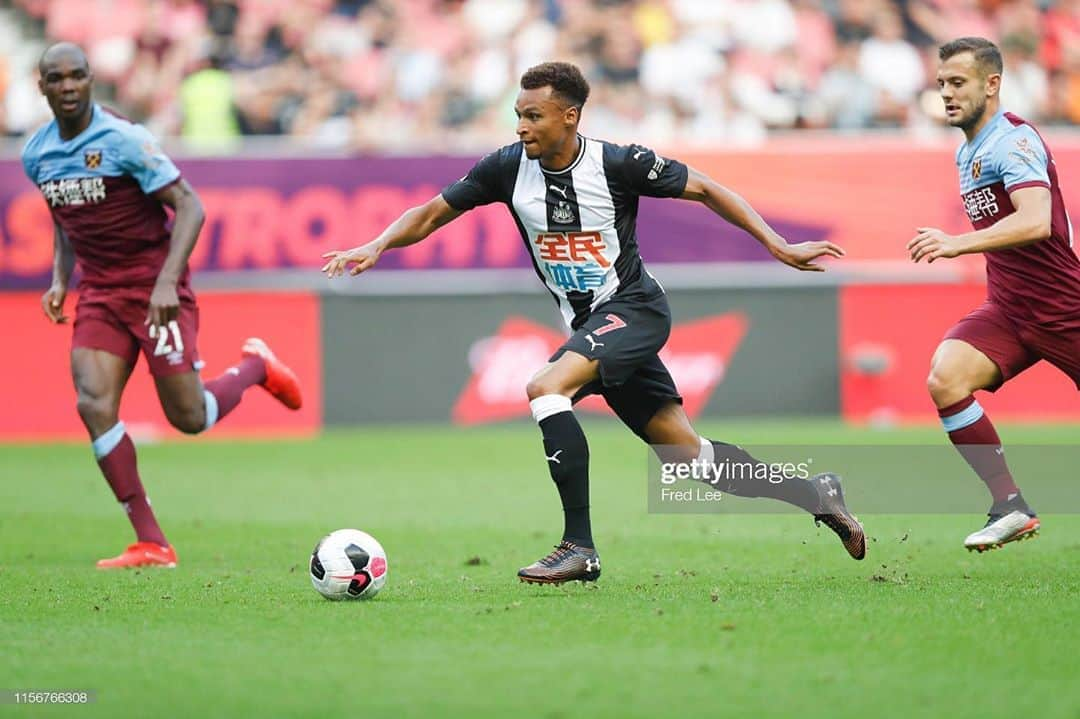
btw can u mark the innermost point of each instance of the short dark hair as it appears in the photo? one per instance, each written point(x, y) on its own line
point(62, 48)
point(564, 79)
point(987, 55)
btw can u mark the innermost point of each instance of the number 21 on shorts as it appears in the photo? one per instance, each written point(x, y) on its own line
point(163, 347)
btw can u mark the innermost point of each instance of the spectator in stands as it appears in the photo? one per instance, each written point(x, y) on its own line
point(207, 106)
point(893, 66)
point(845, 99)
point(436, 71)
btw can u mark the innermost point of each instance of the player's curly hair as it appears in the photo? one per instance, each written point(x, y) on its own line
point(987, 55)
point(564, 79)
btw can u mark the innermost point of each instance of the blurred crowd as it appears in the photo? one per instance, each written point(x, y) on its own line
point(441, 75)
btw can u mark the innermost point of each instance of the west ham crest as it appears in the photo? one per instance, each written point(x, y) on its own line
point(92, 158)
point(976, 169)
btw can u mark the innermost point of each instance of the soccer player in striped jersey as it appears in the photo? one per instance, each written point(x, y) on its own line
point(575, 200)
point(1009, 187)
point(107, 184)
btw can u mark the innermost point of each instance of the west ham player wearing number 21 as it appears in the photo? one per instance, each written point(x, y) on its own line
point(107, 184)
point(1009, 186)
point(575, 200)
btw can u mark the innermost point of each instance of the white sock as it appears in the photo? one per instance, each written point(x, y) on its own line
point(708, 454)
point(210, 402)
point(107, 442)
point(549, 404)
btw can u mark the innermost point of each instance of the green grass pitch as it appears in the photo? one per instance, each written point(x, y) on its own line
point(695, 615)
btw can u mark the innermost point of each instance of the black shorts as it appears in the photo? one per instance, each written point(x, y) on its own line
point(626, 336)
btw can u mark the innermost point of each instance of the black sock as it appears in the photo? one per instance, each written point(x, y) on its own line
point(567, 455)
point(794, 490)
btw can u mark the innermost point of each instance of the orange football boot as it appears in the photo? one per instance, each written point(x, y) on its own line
point(280, 381)
point(141, 554)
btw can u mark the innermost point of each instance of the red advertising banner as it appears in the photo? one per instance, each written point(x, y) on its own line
point(40, 400)
point(889, 333)
point(697, 355)
point(868, 194)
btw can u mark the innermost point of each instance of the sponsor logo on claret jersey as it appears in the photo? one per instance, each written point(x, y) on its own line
point(73, 191)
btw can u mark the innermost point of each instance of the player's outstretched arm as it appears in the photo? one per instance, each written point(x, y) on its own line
point(737, 211)
point(413, 226)
point(1028, 224)
point(164, 301)
point(52, 302)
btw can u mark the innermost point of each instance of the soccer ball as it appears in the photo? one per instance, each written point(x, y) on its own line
point(348, 564)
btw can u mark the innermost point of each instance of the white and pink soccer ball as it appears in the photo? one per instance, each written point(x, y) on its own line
point(348, 564)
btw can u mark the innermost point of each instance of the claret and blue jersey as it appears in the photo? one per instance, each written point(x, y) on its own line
point(1039, 282)
point(99, 187)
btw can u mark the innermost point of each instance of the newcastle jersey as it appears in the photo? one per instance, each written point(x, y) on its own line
point(578, 223)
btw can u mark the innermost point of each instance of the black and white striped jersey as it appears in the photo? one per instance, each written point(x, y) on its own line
point(579, 223)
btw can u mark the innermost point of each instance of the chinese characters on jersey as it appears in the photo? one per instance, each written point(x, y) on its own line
point(573, 260)
point(73, 191)
point(981, 204)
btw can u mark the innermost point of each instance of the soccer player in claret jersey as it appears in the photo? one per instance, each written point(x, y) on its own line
point(1009, 186)
point(107, 183)
point(575, 202)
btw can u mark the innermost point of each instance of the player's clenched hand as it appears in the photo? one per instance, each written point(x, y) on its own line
point(164, 305)
point(931, 243)
point(52, 302)
point(361, 258)
point(801, 256)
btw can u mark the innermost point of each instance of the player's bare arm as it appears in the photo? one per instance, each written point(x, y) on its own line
point(181, 197)
point(1028, 224)
point(52, 302)
point(737, 211)
point(413, 226)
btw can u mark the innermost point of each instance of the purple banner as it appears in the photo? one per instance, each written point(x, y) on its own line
point(284, 213)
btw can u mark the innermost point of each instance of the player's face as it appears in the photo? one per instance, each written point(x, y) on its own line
point(65, 82)
point(545, 123)
point(965, 90)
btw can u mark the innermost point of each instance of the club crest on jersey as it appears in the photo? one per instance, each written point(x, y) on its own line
point(92, 159)
point(563, 214)
point(976, 169)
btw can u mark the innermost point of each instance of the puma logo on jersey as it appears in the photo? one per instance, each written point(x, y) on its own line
point(559, 189)
point(594, 343)
point(555, 457)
